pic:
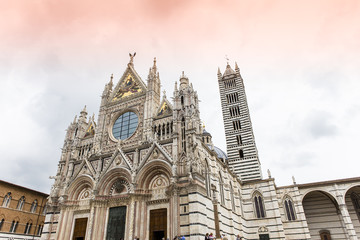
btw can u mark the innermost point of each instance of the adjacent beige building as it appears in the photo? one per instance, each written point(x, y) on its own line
point(147, 168)
point(22, 212)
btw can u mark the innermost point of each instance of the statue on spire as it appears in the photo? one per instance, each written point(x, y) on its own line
point(132, 58)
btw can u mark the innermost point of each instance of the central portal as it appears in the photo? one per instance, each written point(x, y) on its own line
point(158, 224)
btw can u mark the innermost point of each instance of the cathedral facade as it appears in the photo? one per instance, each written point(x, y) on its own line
point(148, 169)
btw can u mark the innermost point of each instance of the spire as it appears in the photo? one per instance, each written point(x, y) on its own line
point(153, 70)
point(154, 66)
point(75, 119)
point(184, 81)
point(111, 81)
point(84, 110)
point(228, 70)
point(83, 115)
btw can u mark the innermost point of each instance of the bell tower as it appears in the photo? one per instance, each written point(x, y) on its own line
point(240, 141)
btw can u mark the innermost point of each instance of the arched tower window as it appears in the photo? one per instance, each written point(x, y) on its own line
point(182, 100)
point(222, 197)
point(21, 203)
point(259, 205)
point(33, 206)
point(289, 209)
point(7, 200)
point(356, 203)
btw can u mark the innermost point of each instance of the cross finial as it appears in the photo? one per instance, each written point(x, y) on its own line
point(227, 59)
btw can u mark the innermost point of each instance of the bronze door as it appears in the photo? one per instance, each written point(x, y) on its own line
point(80, 229)
point(158, 224)
point(116, 223)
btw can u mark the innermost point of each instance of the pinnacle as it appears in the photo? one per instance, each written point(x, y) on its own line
point(236, 66)
point(84, 110)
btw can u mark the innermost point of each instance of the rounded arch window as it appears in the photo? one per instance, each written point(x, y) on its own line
point(125, 125)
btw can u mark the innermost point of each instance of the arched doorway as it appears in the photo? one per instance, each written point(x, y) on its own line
point(323, 216)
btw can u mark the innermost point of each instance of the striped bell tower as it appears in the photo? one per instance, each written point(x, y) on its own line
point(240, 141)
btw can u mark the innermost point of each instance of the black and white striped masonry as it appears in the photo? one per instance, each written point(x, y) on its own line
point(240, 142)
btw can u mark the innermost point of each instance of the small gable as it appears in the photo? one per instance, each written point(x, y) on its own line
point(164, 110)
point(90, 130)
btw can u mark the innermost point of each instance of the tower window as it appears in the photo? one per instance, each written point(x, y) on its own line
point(241, 153)
point(182, 100)
point(237, 125)
point(238, 139)
point(232, 97)
point(234, 111)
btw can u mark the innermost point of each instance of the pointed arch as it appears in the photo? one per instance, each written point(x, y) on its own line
point(258, 202)
point(21, 203)
point(14, 225)
point(34, 206)
point(39, 229)
point(28, 227)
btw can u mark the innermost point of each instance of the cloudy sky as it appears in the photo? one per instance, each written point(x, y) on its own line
point(299, 60)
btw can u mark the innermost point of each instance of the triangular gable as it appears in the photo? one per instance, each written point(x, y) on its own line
point(151, 152)
point(165, 109)
point(129, 85)
point(121, 154)
point(89, 169)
